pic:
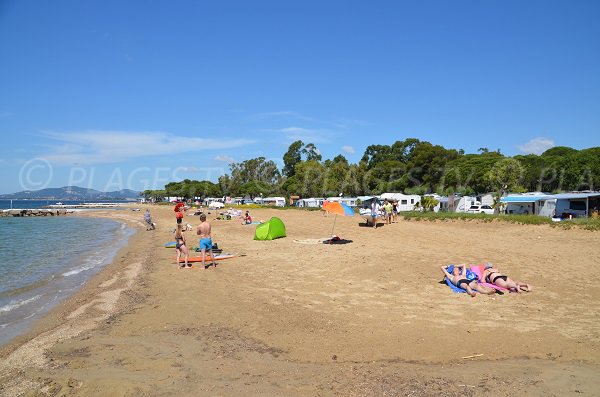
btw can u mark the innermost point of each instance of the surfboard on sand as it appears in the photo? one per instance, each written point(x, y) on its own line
point(208, 259)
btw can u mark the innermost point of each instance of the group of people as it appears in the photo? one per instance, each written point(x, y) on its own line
point(388, 211)
point(204, 231)
point(231, 213)
point(490, 275)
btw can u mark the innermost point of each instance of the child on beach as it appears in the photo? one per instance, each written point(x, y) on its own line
point(247, 219)
point(181, 247)
point(204, 231)
point(148, 220)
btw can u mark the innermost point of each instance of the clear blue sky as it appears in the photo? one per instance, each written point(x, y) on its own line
point(133, 94)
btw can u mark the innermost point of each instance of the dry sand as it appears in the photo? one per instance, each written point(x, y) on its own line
point(368, 318)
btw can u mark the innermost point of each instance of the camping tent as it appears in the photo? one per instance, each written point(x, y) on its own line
point(270, 230)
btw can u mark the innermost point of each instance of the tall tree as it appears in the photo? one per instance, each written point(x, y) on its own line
point(292, 157)
point(506, 175)
point(311, 152)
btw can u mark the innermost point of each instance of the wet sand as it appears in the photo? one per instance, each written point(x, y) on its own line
point(290, 318)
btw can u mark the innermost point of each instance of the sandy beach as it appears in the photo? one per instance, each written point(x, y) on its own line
point(297, 318)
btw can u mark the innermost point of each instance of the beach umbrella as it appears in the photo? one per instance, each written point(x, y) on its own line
point(337, 208)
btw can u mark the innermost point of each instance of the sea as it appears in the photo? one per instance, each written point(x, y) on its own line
point(45, 259)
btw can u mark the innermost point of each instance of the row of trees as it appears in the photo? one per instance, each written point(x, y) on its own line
point(411, 166)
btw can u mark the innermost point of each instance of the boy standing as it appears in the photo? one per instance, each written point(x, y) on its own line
point(205, 240)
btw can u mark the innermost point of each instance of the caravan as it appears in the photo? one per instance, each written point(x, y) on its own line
point(461, 204)
point(274, 201)
point(309, 203)
point(349, 201)
point(406, 202)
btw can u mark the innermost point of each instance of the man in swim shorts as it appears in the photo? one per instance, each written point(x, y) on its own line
point(205, 240)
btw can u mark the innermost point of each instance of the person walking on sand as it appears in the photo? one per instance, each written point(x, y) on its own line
point(181, 247)
point(204, 231)
point(459, 278)
point(492, 275)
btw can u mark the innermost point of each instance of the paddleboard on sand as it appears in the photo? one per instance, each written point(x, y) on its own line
point(220, 257)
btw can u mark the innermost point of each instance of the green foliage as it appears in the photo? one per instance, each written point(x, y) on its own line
point(505, 175)
point(292, 157)
point(155, 195)
point(410, 166)
point(258, 169)
point(189, 189)
point(583, 223)
point(428, 203)
point(311, 152)
point(255, 188)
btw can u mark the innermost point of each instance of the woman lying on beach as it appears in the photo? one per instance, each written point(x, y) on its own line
point(492, 275)
point(458, 278)
point(181, 247)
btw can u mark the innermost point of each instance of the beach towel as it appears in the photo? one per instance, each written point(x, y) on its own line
point(310, 240)
point(470, 276)
point(478, 270)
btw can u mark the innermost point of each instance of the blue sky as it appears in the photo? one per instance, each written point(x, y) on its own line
point(134, 94)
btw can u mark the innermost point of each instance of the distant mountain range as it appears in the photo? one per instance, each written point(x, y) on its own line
point(72, 193)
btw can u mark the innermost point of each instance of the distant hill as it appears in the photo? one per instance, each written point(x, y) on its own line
point(72, 193)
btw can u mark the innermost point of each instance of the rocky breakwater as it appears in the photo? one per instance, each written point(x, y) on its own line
point(33, 212)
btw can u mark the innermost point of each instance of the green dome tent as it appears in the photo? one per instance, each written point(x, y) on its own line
point(270, 230)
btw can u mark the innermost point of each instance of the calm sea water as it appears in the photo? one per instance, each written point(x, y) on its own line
point(29, 204)
point(45, 259)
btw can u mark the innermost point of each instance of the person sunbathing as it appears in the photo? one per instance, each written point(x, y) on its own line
point(458, 278)
point(492, 275)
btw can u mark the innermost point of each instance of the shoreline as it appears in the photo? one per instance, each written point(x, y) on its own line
point(27, 348)
point(303, 320)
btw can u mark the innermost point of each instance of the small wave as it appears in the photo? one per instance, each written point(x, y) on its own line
point(82, 268)
point(15, 304)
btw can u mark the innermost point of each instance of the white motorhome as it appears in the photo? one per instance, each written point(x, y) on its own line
point(406, 202)
point(349, 201)
point(276, 201)
point(309, 202)
point(462, 204)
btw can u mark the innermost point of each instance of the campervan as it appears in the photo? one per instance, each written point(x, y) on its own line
point(275, 201)
point(349, 201)
point(309, 202)
point(462, 204)
point(406, 202)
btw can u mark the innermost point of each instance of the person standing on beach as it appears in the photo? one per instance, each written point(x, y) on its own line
point(388, 211)
point(204, 231)
point(148, 219)
point(374, 212)
point(181, 247)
